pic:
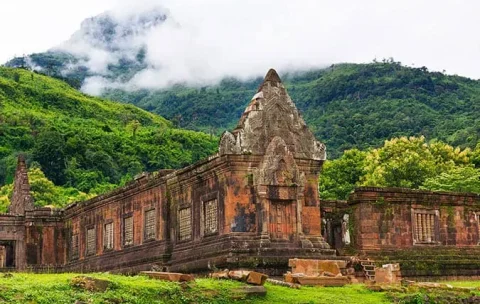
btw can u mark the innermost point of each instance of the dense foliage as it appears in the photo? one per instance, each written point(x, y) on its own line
point(86, 143)
point(403, 162)
point(347, 105)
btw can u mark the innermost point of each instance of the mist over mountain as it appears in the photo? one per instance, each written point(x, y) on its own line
point(182, 65)
point(107, 47)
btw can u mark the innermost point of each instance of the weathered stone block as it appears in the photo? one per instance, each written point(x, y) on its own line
point(256, 278)
point(239, 275)
point(322, 281)
point(220, 274)
point(90, 284)
point(169, 276)
point(315, 267)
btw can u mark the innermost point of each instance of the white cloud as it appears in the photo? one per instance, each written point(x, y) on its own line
point(203, 41)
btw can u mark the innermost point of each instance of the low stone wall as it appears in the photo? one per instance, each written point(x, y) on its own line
point(425, 264)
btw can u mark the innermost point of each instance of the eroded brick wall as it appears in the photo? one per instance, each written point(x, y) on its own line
point(389, 218)
point(45, 238)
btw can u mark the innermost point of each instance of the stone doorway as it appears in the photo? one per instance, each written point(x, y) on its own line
point(7, 254)
point(282, 220)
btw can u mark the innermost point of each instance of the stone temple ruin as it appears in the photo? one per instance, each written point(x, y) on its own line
point(254, 205)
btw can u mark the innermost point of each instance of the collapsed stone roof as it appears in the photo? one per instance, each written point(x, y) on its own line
point(272, 113)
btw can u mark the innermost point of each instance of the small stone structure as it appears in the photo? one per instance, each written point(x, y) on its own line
point(388, 274)
point(431, 234)
point(317, 272)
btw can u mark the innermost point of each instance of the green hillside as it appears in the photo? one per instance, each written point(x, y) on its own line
point(346, 105)
point(84, 142)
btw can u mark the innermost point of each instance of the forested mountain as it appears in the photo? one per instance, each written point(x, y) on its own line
point(346, 105)
point(86, 143)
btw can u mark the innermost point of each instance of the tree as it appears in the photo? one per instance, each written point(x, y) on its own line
point(458, 179)
point(408, 162)
point(134, 125)
point(16, 77)
point(340, 176)
point(49, 152)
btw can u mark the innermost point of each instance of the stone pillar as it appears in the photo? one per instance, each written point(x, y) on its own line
point(2, 257)
point(264, 216)
point(21, 197)
point(20, 255)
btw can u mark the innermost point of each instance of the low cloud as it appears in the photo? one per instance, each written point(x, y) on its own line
point(201, 42)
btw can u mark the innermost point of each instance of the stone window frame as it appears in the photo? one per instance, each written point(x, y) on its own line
point(179, 223)
point(94, 251)
point(75, 246)
point(204, 200)
point(436, 226)
point(124, 241)
point(147, 237)
point(105, 247)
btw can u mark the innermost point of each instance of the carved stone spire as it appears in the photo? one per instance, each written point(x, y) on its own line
point(272, 113)
point(22, 200)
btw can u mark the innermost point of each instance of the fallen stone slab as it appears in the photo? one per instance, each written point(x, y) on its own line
point(256, 278)
point(169, 276)
point(249, 291)
point(90, 284)
point(392, 288)
point(239, 275)
point(432, 285)
point(322, 281)
point(283, 283)
point(316, 267)
point(220, 274)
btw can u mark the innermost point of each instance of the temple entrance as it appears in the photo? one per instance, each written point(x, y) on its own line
point(282, 220)
point(7, 254)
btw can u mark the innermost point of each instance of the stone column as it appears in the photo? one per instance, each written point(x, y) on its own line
point(264, 216)
point(2, 257)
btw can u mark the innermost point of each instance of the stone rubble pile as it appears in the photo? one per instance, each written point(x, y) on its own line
point(317, 272)
point(250, 277)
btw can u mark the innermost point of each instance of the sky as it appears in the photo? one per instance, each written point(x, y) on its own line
point(205, 40)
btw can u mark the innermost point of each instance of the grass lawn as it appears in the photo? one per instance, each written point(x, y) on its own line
point(56, 288)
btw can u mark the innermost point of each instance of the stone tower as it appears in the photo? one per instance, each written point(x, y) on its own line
point(22, 200)
point(272, 113)
point(286, 178)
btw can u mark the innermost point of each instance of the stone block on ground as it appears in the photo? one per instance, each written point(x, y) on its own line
point(256, 278)
point(385, 275)
point(352, 279)
point(322, 281)
point(220, 274)
point(329, 274)
point(392, 267)
point(90, 284)
point(239, 275)
point(315, 267)
point(169, 276)
point(288, 277)
point(283, 283)
point(248, 291)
